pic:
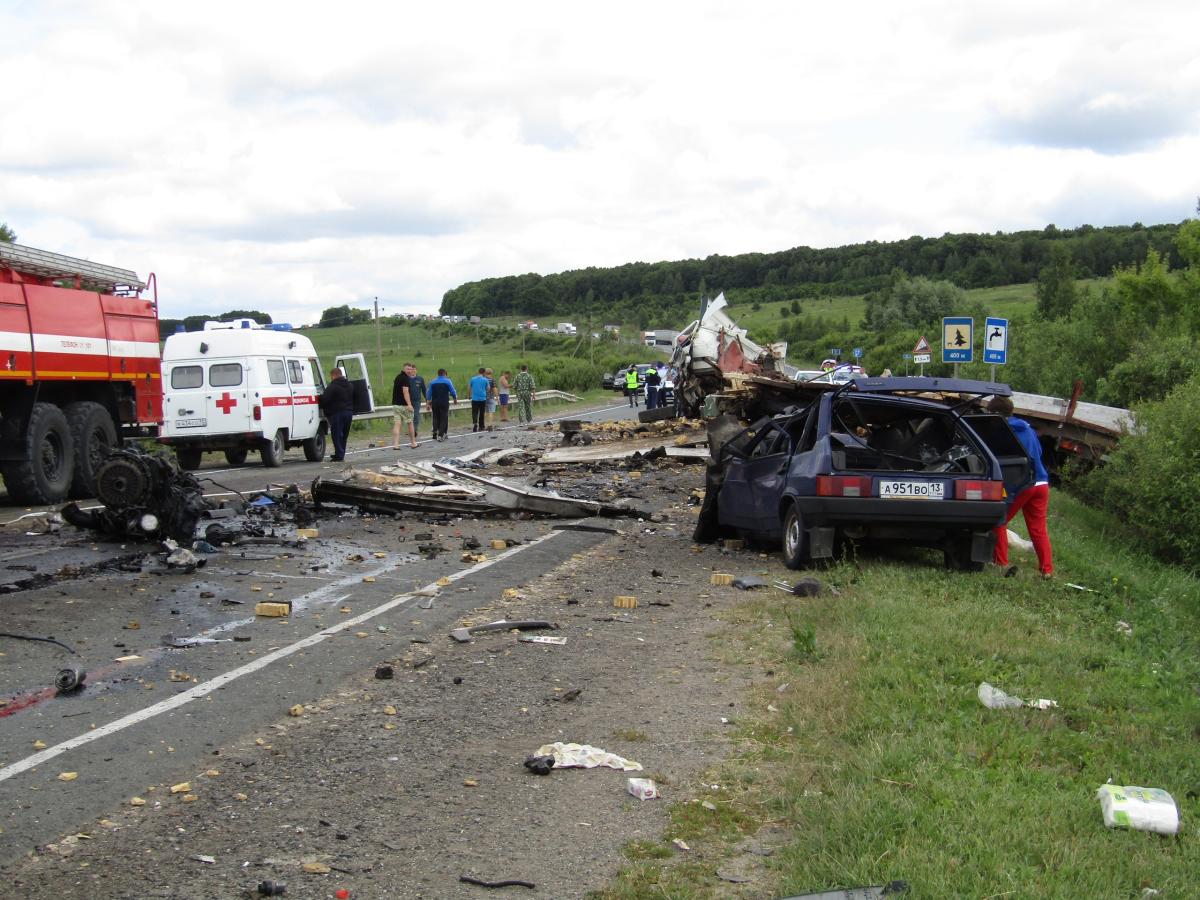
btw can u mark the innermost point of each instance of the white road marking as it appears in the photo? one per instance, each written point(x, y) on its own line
point(232, 675)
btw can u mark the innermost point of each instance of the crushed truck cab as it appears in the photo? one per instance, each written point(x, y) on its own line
point(240, 387)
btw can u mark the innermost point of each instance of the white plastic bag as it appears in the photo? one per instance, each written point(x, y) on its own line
point(1146, 809)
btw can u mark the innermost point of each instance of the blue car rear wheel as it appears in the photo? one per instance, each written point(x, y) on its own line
point(795, 539)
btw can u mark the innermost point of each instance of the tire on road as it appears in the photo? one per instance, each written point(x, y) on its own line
point(94, 436)
point(314, 447)
point(272, 450)
point(236, 456)
point(660, 414)
point(189, 458)
point(44, 474)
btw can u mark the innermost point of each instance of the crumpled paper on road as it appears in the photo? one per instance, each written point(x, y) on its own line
point(583, 756)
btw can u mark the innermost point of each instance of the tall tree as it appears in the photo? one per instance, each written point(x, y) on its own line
point(6, 233)
point(1056, 291)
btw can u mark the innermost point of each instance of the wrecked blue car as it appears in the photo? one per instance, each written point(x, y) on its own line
point(901, 459)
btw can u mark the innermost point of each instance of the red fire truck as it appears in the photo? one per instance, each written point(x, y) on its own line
point(79, 370)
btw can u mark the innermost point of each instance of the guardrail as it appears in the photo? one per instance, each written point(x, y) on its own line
point(385, 412)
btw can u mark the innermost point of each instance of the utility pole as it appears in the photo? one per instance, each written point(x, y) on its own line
point(379, 342)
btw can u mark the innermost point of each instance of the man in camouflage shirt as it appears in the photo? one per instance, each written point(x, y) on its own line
point(523, 387)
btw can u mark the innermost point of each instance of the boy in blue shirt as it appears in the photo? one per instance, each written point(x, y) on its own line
point(480, 387)
point(441, 391)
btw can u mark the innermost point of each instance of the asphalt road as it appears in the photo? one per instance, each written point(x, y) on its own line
point(163, 713)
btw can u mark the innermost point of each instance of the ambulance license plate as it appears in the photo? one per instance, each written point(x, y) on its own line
point(190, 423)
point(911, 490)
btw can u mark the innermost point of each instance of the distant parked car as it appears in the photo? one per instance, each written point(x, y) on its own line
point(607, 381)
point(870, 460)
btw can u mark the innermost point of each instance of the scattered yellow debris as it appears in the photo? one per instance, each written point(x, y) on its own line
point(379, 554)
point(212, 773)
point(136, 801)
point(499, 544)
point(625, 602)
point(307, 532)
point(296, 710)
point(442, 582)
point(188, 798)
point(273, 608)
point(240, 797)
point(369, 579)
point(256, 588)
point(512, 594)
point(316, 868)
point(720, 578)
point(361, 634)
point(344, 609)
point(39, 745)
point(67, 776)
point(470, 782)
point(389, 710)
point(132, 626)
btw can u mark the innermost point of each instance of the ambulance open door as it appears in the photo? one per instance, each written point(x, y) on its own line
point(355, 367)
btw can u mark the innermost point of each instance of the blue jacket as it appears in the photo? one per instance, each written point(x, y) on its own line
point(441, 389)
point(479, 388)
point(1033, 448)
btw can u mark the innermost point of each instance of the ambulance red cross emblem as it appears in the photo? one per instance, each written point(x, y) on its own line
point(226, 403)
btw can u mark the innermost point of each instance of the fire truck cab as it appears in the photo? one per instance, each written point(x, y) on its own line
point(240, 386)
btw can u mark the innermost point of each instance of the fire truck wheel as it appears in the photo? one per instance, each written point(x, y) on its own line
point(44, 475)
point(314, 447)
point(272, 451)
point(236, 456)
point(94, 436)
point(189, 458)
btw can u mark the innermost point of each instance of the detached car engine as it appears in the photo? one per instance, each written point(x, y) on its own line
point(144, 495)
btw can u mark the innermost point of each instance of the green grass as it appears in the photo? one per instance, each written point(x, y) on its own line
point(893, 769)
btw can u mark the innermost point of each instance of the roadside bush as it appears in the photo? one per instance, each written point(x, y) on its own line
point(573, 375)
point(1152, 479)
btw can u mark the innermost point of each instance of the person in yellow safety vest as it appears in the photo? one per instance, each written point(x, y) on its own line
point(631, 385)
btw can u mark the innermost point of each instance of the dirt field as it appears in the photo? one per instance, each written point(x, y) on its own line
point(396, 788)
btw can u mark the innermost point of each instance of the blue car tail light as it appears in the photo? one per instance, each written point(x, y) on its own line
point(979, 490)
point(843, 486)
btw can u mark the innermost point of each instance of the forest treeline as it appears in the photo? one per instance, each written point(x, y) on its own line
point(643, 293)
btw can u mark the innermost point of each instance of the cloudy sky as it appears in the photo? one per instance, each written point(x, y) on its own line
point(293, 156)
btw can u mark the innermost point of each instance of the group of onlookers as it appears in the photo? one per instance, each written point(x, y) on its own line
point(488, 395)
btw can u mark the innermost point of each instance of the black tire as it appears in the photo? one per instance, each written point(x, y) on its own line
point(795, 540)
point(44, 475)
point(94, 436)
point(236, 456)
point(957, 554)
point(314, 447)
point(658, 414)
point(272, 451)
point(189, 458)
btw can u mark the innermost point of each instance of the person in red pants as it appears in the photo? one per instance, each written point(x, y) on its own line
point(1034, 501)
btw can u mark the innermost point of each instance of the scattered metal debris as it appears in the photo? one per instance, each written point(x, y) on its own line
point(69, 679)
point(462, 635)
point(510, 882)
point(30, 637)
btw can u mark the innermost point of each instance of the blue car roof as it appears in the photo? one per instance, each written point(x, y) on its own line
point(918, 384)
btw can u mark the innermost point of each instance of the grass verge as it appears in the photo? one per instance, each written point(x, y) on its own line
point(872, 756)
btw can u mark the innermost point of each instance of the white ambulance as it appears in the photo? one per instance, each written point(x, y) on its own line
point(239, 386)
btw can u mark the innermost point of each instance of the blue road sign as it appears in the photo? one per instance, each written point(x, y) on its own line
point(958, 339)
point(835, 351)
point(858, 352)
point(995, 341)
point(906, 356)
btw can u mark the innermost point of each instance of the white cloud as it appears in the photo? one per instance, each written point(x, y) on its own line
point(294, 156)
